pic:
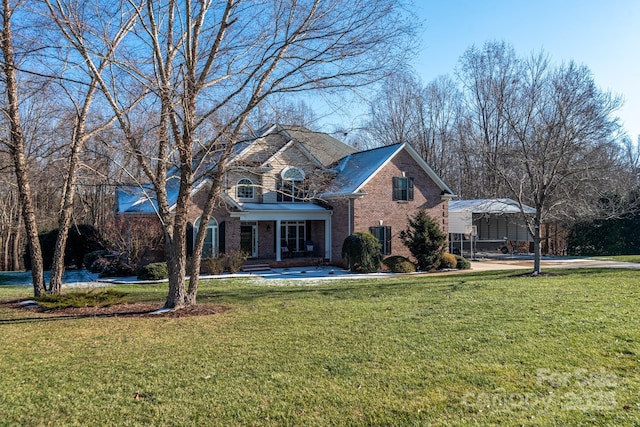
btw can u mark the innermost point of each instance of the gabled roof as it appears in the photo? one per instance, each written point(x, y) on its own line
point(352, 169)
point(134, 198)
point(131, 199)
point(322, 146)
point(355, 170)
point(489, 206)
point(271, 140)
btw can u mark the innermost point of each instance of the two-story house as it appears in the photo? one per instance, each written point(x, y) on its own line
point(291, 192)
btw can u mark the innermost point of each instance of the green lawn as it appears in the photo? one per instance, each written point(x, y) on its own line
point(473, 349)
point(622, 258)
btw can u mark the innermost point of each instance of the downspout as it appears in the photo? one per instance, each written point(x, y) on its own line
point(328, 240)
point(349, 232)
point(278, 239)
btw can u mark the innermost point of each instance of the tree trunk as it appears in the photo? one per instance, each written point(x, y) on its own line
point(537, 248)
point(6, 242)
point(17, 149)
point(177, 245)
point(176, 264)
point(68, 196)
point(28, 213)
point(196, 258)
point(57, 264)
point(177, 271)
point(15, 241)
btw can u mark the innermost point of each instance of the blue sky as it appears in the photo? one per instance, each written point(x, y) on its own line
point(603, 35)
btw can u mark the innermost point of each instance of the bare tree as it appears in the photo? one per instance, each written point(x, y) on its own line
point(517, 127)
point(427, 118)
point(489, 78)
point(10, 223)
point(17, 145)
point(438, 141)
point(207, 65)
point(562, 148)
point(395, 113)
point(59, 68)
point(81, 97)
point(286, 112)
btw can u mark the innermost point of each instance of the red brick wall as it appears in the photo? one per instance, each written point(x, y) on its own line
point(379, 205)
point(340, 228)
point(220, 213)
point(376, 205)
point(266, 239)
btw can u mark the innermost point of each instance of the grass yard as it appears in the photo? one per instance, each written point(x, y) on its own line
point(621, 258)
point(474, 349)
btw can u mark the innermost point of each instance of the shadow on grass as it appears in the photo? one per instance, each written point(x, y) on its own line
point(19, 320)
point(348, 289)
point(363, 289)
point(366, 288)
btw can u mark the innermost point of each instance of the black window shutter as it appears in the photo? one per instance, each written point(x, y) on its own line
point(410, 189)
point(189, 239)
point(221, 237)
point(387, 240)
point(383, 234)
point(396, 188)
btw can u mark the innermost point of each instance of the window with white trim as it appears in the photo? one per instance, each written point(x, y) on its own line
point(292, 185)
point(210, 247)
point(244, 189)
point(293, 233)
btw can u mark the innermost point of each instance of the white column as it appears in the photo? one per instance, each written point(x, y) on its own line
point(327, 238)
point(278, 240)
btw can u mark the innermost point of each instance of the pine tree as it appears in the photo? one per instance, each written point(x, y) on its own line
point(425, 240)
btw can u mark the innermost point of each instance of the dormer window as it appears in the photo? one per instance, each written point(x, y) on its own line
point(402, 188)
point(292, 173)
point(244, 189)
point(292, 186)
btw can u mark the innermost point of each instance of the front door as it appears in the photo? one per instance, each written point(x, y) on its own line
point(249, 238)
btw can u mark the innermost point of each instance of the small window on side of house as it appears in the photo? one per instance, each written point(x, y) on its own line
point(383, 234)
point(402, 188)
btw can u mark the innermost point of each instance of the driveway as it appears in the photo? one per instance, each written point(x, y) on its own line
point(526, 262)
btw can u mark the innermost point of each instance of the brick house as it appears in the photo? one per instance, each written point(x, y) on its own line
point(293, 193)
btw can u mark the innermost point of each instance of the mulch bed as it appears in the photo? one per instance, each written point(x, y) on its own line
point(118, 310)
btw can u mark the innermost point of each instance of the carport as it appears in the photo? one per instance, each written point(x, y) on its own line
point(488, 225)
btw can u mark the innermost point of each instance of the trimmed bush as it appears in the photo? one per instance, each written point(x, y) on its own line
point(77, 299)
point(615, 236)
point(114, 268)
point(448, 261)
point(462, 263)
point(154, 271)
point(361, 251)
point(399, 264)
